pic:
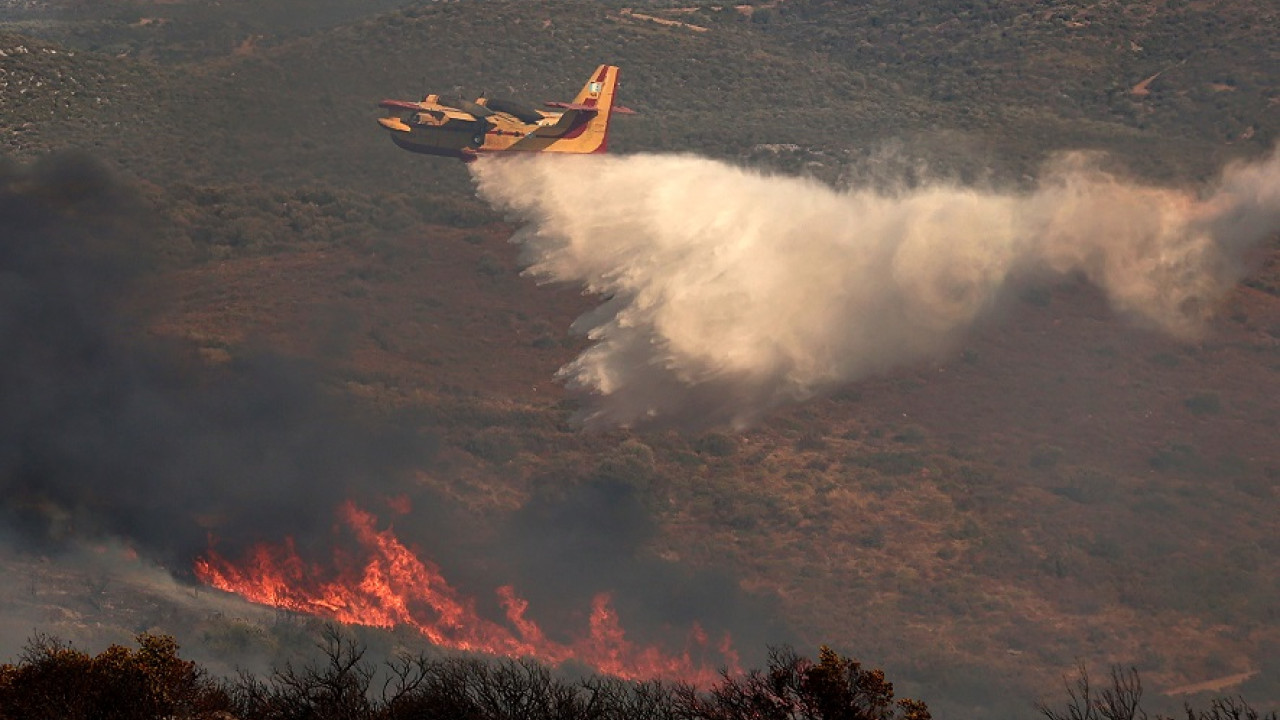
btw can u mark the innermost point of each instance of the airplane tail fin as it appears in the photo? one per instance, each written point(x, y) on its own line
point(598, 93)
point(584, 127)
point(599, 90)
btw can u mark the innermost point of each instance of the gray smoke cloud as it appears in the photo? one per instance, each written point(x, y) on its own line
point(109, 432)
point(111, 437)
point(729, 292)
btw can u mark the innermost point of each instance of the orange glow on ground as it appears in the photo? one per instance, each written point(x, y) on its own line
point(392, 586)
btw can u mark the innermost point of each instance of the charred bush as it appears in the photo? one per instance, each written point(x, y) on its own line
point(337, 688)
point(53, 679)
point(1121, 699)
point(796, 687)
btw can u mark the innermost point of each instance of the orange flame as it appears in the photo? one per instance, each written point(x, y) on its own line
point(395, 587)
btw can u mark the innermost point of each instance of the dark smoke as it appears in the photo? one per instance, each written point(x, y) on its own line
point(109, 433)
point(592, 537)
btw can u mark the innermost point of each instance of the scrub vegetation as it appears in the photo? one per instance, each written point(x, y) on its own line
point(1063, 487)
point(54, 679)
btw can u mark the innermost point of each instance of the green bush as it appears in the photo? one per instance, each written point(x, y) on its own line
point(1176, 458)
point(1203, 404)
point(496, 445)
point(716, 445)
point(1044, 457)
point(891, 463)
point(1086, 486)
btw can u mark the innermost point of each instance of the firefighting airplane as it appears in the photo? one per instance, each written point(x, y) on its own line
point(453, 127)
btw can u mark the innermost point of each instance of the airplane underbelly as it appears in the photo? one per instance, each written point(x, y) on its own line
point(438, 141)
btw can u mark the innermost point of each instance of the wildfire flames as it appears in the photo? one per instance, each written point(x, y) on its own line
point(393, 586)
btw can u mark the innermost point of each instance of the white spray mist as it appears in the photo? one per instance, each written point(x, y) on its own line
point(729, 292)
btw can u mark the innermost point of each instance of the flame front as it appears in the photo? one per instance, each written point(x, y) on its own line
point(393, 586)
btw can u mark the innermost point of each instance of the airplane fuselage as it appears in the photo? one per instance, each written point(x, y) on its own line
point(454, 127)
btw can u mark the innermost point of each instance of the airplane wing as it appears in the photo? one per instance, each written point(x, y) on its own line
point(440, 113)
point(448, 114)
point(400, 105)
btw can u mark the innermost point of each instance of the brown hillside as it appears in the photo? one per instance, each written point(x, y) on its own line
point(1063, 486)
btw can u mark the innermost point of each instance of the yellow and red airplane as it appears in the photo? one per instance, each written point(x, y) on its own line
point(453, 127)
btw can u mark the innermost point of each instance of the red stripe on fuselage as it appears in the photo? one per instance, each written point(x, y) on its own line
point(579, 127)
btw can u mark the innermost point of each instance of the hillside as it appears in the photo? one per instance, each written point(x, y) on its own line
point(825, 77)
point(1062, 486)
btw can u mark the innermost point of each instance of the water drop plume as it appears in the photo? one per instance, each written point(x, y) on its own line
point(729, 292)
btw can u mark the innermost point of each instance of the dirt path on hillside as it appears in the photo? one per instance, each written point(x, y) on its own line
point(626, 12)
point(1216, 685)
point(1141, 88)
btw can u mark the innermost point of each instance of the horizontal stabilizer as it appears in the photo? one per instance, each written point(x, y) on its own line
point(580, 107)
point(588, 108)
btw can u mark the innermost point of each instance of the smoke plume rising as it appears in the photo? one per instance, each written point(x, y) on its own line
point(729, 292)
point(109, 432)
point(110, 436)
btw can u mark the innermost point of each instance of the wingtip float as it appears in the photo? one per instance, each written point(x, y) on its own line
point(454, 127)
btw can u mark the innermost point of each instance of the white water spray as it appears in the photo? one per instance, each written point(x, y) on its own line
point(729, 292)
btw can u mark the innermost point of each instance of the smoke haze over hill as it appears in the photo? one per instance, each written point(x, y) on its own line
point(729, 292)
point(109, 434)
point(1002, 470)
